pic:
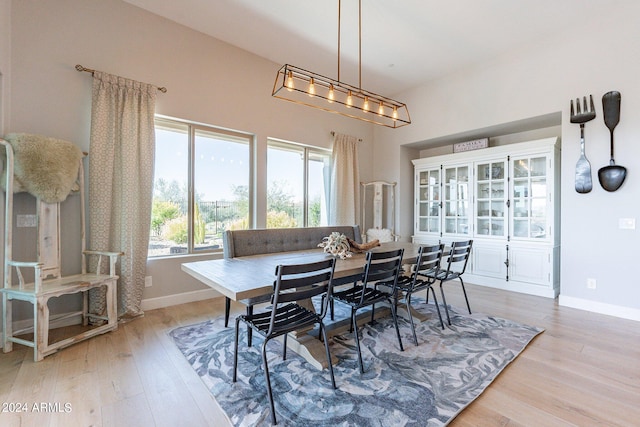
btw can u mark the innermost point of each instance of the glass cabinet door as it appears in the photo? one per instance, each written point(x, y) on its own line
point(456, 200)
point(491, 179)
point(429, 201)
point(530, 197)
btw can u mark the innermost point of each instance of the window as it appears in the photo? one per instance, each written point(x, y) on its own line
point(297, 185)
point(201, 187)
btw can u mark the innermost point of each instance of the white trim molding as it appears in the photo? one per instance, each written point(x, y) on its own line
point(600, 307)
point(175, 299)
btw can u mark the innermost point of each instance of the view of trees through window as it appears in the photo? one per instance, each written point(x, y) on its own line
point(202, 186)
point(189, 213)
point(297, 185)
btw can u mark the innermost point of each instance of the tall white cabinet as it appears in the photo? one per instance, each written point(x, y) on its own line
point(506, 199)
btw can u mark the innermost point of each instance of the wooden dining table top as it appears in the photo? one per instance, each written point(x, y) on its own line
point(251, 277)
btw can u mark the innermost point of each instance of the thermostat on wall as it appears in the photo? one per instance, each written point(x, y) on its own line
point(476, 144)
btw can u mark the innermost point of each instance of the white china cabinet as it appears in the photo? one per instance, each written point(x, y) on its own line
point(506, 199)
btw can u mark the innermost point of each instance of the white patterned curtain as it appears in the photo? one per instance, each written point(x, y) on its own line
point(121, 160)
point(345, 181)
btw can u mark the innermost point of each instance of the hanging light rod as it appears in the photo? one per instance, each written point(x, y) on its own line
point(304, 87)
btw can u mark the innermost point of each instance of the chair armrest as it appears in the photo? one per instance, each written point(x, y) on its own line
point(37, 267)
point(32, 264)
point(113, 258)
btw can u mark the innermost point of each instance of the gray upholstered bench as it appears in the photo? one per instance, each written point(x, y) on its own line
point(237, 243)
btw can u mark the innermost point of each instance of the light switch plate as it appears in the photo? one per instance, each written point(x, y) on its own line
point(26, 221)
point(627, 223)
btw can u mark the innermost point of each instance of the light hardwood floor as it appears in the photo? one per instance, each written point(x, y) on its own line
point(584, 370)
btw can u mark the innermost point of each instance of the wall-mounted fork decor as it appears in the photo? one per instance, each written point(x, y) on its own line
point(583, 167)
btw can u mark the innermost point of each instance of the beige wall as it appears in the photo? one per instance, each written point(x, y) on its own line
point(212, 82)
point(207, 80)
point(5, 62)
point(537, 81)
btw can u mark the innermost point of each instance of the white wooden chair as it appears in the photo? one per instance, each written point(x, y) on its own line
point(384, 206)
point(48, 281)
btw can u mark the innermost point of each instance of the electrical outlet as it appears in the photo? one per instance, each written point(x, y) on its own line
point(591, 283)
point(148, 281)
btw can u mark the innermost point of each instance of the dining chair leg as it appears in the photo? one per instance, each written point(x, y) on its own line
point(444, 302)
point(413, 329)
point(322, 298)
point(435, 302)
point(235, 351)
point(284, 347)
point(268, 381)
point(355, 334)
point(395, 322)
point(464, 291)
point(227, 310)
point(326, 348)
point(249, 330)
point(353, 313)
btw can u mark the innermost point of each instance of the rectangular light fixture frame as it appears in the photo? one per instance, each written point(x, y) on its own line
point(304, 87)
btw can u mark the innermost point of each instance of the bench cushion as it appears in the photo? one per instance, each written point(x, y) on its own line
point(265, 241)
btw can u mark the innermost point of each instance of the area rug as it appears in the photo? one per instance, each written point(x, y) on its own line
point(426, 385)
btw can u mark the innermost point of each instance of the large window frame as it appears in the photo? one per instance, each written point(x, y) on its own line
point(193, 131)
point(309, 154)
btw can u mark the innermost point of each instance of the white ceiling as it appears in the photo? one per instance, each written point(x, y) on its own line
point(404, 42)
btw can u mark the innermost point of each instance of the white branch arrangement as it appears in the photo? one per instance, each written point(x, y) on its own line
point(337, 245)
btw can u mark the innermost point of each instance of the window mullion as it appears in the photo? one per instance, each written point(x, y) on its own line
point(305, 188)
point(190, 189)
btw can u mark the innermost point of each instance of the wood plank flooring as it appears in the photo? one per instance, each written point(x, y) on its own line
point(584, 370)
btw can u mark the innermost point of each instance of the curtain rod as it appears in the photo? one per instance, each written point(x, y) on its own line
point(89, 70)
point(333, 133)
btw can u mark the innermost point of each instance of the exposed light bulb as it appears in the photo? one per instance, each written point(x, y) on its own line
point(381, 109)
point(365, 105)
point(332, 95)
point(290, 85)
point(312, 87)
point(395, 113)
point(349, 100)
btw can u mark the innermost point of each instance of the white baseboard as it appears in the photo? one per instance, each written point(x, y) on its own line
point(599, 307)
point(175, 299)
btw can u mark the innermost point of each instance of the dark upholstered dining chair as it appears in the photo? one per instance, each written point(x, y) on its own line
point(382, 267)
point(423, 276)
point(453, 267)
point(293, 283)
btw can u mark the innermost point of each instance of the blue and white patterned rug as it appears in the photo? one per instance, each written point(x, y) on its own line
point(427, 385)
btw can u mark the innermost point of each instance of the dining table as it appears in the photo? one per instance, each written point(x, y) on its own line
point(249, 280)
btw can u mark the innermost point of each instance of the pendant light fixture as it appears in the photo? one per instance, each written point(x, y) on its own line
point(304, 87)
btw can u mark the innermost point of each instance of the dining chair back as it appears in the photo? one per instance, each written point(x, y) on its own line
point(453, 268)
point(423, 276)
point(293, 284)
point(380, 268)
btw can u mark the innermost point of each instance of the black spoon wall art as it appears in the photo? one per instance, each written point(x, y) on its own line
point(611, 177)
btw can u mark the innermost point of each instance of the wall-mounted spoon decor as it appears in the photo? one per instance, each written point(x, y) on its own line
point(611, 177)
